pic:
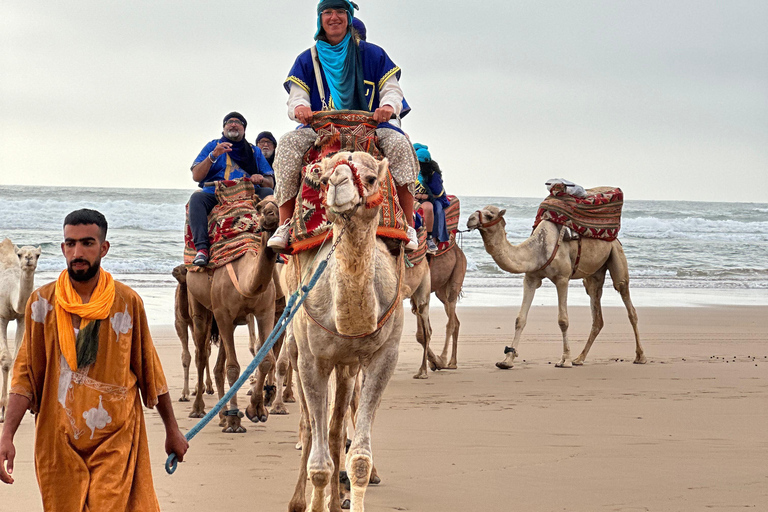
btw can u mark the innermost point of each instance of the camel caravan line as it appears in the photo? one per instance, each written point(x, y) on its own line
point(331, 308)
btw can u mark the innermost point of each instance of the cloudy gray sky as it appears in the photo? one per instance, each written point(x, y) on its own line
point(666, 99)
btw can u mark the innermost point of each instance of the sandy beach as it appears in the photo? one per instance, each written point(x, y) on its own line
point(685, 432)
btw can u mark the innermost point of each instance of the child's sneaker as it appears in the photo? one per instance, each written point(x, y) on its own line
point(281, 237)
point(201, 258)
point(431, 247)
point(413, 239)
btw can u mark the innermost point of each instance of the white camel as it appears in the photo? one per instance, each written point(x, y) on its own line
point(17, 280)
point(538, 257)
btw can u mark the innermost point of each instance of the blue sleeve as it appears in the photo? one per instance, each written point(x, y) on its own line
point(204, 153)
point(261, 163)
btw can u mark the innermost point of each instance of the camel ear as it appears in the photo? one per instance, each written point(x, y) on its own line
point(38, 250)
point(16, 248)
point(502, 212)
point(383, 168)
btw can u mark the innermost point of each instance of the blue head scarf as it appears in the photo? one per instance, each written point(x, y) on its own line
point(422, 153)
point(341, 62)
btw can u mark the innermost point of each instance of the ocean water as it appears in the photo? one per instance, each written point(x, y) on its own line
point(679, 253)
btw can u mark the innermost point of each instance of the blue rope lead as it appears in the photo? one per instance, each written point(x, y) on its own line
point(290, 310)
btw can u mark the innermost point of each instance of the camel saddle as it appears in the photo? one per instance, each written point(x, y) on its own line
point(596, 216)
point(347, 130)
point(232, 226)
point(452, 213)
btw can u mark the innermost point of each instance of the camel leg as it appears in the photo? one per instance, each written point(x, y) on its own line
point(345, 381)
point(617, 266)
point(227, 337)
point(256, 410)
point(298, 501)
point(360, 457)
point(200, 322)
point(530, 285)
point(218, 374)
point(6, 361)
point(354, 406)
point(252, 339)
point(282, 368)
point(182, 331)
point(594, 287)
point(420, 308)
point(451, 333)
point(314, 375)
point(562, 321)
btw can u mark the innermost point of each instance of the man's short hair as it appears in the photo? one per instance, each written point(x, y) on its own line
point(87, 216)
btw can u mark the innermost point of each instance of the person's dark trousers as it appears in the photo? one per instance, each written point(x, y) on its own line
point(200, 205)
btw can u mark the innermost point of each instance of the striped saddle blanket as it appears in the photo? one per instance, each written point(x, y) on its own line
point(232, 226)
point(596, 216)
point(339, 131)
point(452, 213)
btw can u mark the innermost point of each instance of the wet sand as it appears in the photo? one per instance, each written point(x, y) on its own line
point(685, 432)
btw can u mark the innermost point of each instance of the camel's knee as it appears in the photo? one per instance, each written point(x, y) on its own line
point(563, 323)
point(233, 372)
point(519, 323)
point(359, 468)
point(186, 359)
point(6, 361)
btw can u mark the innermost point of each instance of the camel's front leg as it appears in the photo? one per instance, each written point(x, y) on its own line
point(6, 361)
point(282, 368)
point(314, 383)
point(182, 332)
point(298, 501)
point(594, 286)
point(562, 321)
point(200, 322)
point(420, 308)
point(345, 383)
point(218, 374)
point(257, 411)
point(530, 285)
point(360, 457)
point(451, 334)
point(227, 336)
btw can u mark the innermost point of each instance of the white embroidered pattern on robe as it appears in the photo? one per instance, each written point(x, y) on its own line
point(40, 309)
point(122, 322)
point(97, 418)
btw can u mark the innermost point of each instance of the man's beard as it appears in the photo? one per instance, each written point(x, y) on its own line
point(268, 153)
point(233, 135)
point(83, 275)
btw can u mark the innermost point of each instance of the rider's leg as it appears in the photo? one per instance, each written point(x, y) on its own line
point(404, 168)
point(429, 216)
point(200, 205)
point(288, 163)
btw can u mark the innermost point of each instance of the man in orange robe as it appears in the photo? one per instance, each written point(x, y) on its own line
point(86, 363)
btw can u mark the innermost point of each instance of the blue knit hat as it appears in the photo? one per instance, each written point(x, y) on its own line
point(358, 25)
point(422, 152)
point(348, 5)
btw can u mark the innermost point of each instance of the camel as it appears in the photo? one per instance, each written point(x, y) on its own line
point(447, 272)
point(214, 293)
point(417, 286)
point(17, 280)
point(351, 320)
point(538, 257)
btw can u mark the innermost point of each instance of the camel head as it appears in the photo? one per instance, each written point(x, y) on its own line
point(28, 256)
point(351, 180)
point(180, 273)
point(485, 218)
point(268, 214)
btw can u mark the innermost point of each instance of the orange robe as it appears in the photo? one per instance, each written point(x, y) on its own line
point(91, 452)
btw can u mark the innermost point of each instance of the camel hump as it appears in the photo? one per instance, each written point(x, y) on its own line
point(8, 256)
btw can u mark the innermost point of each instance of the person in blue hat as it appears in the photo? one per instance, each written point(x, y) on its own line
point(356, 75)
point(431, 193)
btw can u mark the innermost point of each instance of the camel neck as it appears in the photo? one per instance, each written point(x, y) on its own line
point(517, 259)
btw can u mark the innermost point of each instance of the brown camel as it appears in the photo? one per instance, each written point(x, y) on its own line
point(352, 319)
point(538, 258)
point(447, 271)
point(214, 293)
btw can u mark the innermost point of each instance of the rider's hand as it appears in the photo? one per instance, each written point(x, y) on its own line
point(383, 114)
point(257, 179)
point(7, 453)
point(303, 114)
point(221, 148)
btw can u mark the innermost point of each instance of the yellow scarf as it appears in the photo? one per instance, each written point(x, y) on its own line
point(68, 302)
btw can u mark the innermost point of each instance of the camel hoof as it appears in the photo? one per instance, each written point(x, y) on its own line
point(564, 364)
point(279, 409)
point(195, 414)
point(255, 417)
point(577, 362)
point(250, 392)
point(289, 399)
point(183, 399)
point(375, 480)
point(452, 366)
point(503, 365)
point(234, 430)
point(208, 391)
point(640, 360)
point(346, 504)
point(421, 375)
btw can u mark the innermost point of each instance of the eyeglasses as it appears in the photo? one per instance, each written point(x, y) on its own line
point(330, 12)
point(234, 121)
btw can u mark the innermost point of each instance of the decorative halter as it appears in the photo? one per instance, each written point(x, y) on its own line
point(370, 202)
point(489, 224)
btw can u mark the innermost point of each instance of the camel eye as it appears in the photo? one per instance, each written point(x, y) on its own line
point(487, 215)
point(370, 180)
point(324, 180)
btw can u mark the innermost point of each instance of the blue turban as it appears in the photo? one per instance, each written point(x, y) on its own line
point(334, 4)
point(422, 152)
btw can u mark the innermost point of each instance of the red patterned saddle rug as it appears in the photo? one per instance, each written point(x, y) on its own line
point(596, 216)
point(232, 226)
point(345, 131)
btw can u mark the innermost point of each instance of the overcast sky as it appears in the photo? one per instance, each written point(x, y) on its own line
point(665, 99)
